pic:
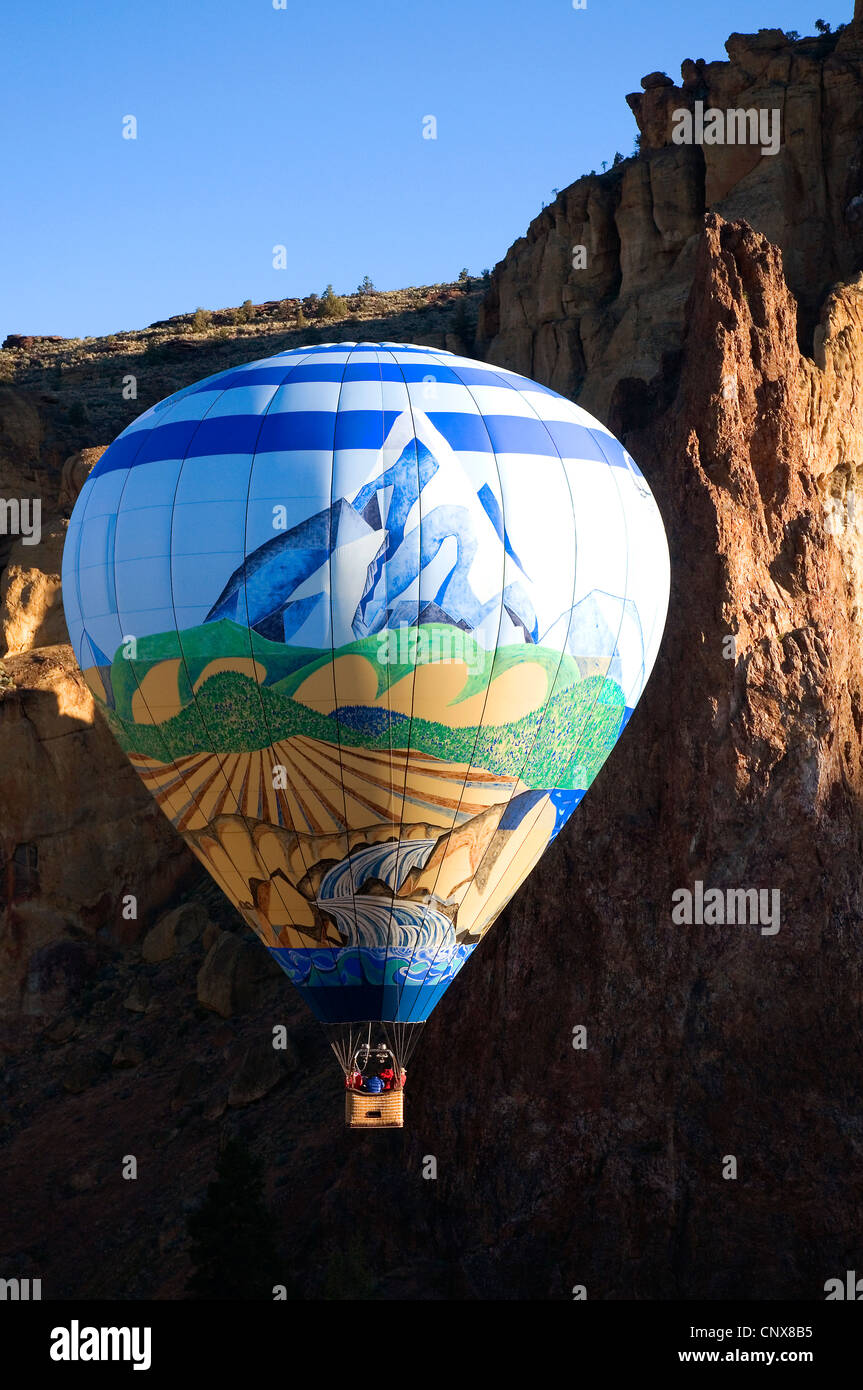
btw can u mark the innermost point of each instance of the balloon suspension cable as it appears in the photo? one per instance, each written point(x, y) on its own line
point(402, 1039)
point(347, 1039)
point(344, 1039)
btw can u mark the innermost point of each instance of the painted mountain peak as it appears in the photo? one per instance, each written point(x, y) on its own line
point(384, 539)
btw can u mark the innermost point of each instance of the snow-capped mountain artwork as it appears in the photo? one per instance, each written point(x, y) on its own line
point(418, 542)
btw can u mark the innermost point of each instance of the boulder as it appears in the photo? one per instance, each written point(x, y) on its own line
point(176, 929)
point(128, 1054)
point(76, 471)
point(261, 1069)
point(139, 998)
point(656, 79)
point(31, 606)
point(236, 976)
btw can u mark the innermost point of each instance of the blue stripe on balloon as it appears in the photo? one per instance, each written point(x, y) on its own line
point(301, 430)
point(353, 348)
point(470, 376)
point(167, 442)
point(368, 371)
point(328, 371)
point(361, 429)
point(313, 429)
point(574, 441)
point(615, 454)
point(224, 434)
point(462, 430)
point(246, 376)
point(518, 434)
point(274, 375)
point(120, 454)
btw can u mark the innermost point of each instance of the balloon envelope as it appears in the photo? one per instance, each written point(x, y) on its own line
point(367, 619)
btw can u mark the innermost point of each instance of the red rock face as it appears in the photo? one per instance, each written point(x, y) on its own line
point(741, 768)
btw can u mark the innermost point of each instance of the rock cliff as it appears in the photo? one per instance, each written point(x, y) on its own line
point(582, 329)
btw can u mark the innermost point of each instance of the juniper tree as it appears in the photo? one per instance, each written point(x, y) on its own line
point(333, 306)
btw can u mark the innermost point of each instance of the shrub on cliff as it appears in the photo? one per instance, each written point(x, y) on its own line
point(333, 306)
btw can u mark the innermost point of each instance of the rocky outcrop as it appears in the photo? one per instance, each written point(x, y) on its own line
point(76, 471)
point(27, 341)
point(77, 839)
point(31, 606)
point(174, 930)
point(743, 765)
point(580, 327)
point(235, 976)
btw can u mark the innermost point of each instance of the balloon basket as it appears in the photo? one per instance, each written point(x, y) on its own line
point(384, 1111)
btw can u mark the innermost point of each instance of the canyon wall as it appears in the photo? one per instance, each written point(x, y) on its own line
point(583, 330)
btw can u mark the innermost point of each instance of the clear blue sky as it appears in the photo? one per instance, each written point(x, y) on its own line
point(303, 127)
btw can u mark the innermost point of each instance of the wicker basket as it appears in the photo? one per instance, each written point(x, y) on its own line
point(384, 1111)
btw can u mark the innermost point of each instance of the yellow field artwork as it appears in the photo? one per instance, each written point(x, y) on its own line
point(265, 822)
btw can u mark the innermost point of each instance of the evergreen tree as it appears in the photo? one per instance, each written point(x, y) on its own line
point(232, 1248)
point(332, 305)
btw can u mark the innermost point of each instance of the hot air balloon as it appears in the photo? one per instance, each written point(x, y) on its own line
point(367, 619)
